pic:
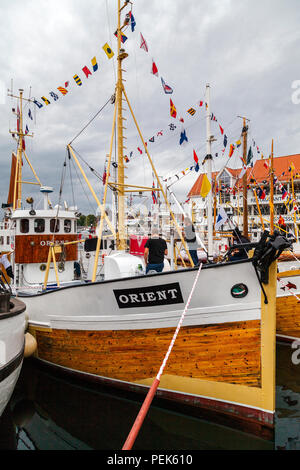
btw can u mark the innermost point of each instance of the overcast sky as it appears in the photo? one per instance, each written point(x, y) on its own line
point(248, 51)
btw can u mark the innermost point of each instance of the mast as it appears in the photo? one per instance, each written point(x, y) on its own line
point(17, 190)
point(272, 191)
point(121, 242)
point(245, 205)
point(208, 168)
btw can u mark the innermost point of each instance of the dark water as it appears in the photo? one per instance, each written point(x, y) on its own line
point(51, 412)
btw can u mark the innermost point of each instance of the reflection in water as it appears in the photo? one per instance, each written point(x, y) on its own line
point(48, 412)
point(287, 424)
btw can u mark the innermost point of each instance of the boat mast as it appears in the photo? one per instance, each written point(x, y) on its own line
point(272, 191)
point(17, 192)
point(121, 242)
point(208, 168)
point(245, 205)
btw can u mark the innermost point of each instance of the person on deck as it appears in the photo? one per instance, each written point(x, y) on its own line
point(239, 239)
point(190, 238)
point(6, 264)
point(155, 251)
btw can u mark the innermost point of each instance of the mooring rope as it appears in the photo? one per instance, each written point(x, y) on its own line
point(149, 397)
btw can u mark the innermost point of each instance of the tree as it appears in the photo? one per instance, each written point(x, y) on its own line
point(91, 219)
point(81, 221)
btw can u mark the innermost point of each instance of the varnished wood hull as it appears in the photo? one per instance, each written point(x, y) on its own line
point(288, 306)
point(223, 359)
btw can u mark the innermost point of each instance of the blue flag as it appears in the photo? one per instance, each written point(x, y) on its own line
point(39, 105)
point(183, 137)
point(225, 140)
point(132, 22)
point(30, 114)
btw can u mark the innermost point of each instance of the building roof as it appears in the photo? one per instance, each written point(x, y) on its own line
point(260, 172)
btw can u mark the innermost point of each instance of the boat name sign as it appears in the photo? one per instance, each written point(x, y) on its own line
point(164, 294)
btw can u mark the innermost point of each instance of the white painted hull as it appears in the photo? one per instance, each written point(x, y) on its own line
point(12, 331)
point(95, 306)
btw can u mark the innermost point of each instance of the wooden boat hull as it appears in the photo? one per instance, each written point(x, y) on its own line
point(224, 356)
point(12, 331)
point(288, 304)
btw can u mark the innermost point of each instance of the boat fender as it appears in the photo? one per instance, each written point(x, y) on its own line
point(30, 345)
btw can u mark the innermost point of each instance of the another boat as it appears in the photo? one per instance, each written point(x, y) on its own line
point(12, 343)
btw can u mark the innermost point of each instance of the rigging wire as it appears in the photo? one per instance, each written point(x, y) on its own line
point(91, 120)
point(80, 181)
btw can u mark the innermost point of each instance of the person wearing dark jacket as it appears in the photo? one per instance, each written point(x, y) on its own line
point(155, 250)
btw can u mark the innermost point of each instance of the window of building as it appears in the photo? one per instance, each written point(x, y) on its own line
point(54, 225)
point(67, 225)
point(39, 225)
point(24, 225)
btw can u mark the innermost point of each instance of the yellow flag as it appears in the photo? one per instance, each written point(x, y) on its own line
point(205, 187)
point(108, 50)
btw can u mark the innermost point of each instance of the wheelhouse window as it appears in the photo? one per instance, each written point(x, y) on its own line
point(24, 225)
point(39, 225)
point(67, 225)
point(54, 225)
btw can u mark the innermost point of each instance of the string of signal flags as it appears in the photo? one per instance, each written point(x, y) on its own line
point(60, 91)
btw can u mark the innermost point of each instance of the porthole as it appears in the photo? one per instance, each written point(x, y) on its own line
point(239, 290)
point(43, 267)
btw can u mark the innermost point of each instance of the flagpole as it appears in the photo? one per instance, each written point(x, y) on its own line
point(208, 168)
point(272, 192)
point(245, 192)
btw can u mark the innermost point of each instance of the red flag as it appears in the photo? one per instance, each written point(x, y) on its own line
point(221, 129)
point(173, 111)
point(154, 69)
point(87, 71)
point(231, 150)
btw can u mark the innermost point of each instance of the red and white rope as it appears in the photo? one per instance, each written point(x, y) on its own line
point(178, 326)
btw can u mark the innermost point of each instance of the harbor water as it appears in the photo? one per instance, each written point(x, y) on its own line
point(53, 412)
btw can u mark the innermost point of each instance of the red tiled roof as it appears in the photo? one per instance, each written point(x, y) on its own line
point(259, 172)
point(281, 168)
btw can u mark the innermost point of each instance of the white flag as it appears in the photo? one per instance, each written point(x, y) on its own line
point(221, 218)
